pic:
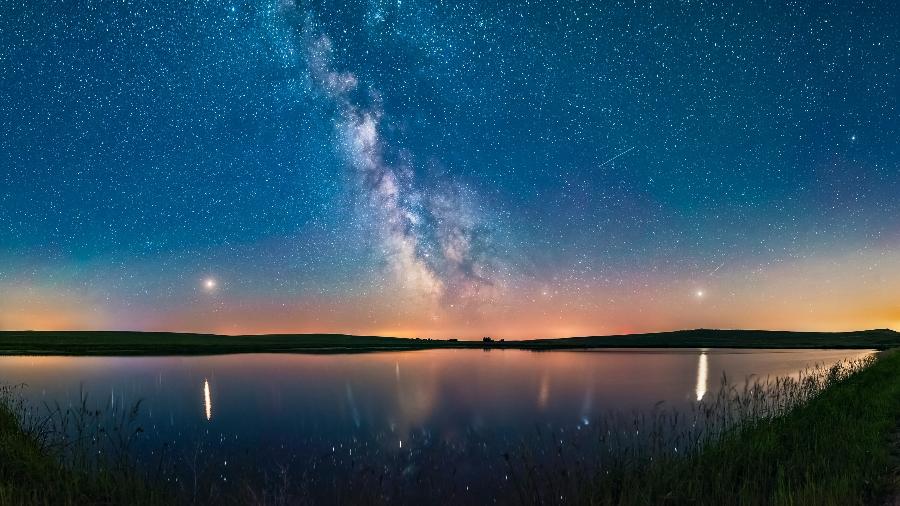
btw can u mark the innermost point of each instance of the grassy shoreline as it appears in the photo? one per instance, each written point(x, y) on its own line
point(834, 448)
point(167, 343)
point(35, 471)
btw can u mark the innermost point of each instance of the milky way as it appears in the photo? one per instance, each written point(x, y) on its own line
point(425, 168)
point(428, 237)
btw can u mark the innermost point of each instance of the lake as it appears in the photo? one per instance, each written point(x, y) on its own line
point(331, 425)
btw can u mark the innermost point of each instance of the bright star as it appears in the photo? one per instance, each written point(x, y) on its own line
point(209, 284)
point(699, 294)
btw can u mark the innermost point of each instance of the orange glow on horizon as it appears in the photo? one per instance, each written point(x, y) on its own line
point(853, 291)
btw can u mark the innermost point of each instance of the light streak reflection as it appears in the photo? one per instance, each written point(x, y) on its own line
point(702, 373)
point(207, 399)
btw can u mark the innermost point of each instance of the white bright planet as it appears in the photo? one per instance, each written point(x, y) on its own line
point(699, 294)
point(209, 283)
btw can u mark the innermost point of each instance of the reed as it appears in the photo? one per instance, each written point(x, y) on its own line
point(55, 454)
point(817, 437)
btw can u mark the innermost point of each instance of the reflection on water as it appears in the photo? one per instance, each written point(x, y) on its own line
point(207, 401)
point(702, 373)
point(543, 392)
point(443, 391)
point(393, 405)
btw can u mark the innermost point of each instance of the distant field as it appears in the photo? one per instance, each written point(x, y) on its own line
point(165, 343)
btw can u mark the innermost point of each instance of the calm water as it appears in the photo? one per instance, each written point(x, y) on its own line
point(308, 414)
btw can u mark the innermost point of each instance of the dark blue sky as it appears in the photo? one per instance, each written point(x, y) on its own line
point(457, 159)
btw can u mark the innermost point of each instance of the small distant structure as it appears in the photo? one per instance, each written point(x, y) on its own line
point(453, 340)
point(487, 340)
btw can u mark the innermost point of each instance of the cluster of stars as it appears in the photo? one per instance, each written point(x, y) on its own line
point(611, 154)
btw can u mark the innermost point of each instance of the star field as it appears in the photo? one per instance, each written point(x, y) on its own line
point(449, 168)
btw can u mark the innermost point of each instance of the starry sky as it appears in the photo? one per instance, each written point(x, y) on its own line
point(449, 169)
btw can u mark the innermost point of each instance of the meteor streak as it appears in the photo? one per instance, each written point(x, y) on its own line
point(613, 158)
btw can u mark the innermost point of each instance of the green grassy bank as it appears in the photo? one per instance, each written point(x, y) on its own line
point(168, 343)
point(32, 471)
point(834, 450)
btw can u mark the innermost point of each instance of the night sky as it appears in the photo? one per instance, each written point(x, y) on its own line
point(449, 169)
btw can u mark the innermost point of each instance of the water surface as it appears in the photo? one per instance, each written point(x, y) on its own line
point(282, 411)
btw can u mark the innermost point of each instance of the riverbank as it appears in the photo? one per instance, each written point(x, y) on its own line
point(168, 343)
point(833, 450)
point(33, 470)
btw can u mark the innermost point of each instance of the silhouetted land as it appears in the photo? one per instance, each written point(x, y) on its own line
point(167, 343)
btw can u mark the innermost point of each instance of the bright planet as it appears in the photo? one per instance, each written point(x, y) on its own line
point(449, 252)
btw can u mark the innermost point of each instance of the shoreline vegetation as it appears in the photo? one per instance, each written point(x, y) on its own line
point(835, 447)
point(824, 437)
point(168, 343)
point(70, 456)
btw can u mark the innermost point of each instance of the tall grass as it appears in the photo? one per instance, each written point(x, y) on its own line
point(54, 454)
point(819, 438)
point(757, 442)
